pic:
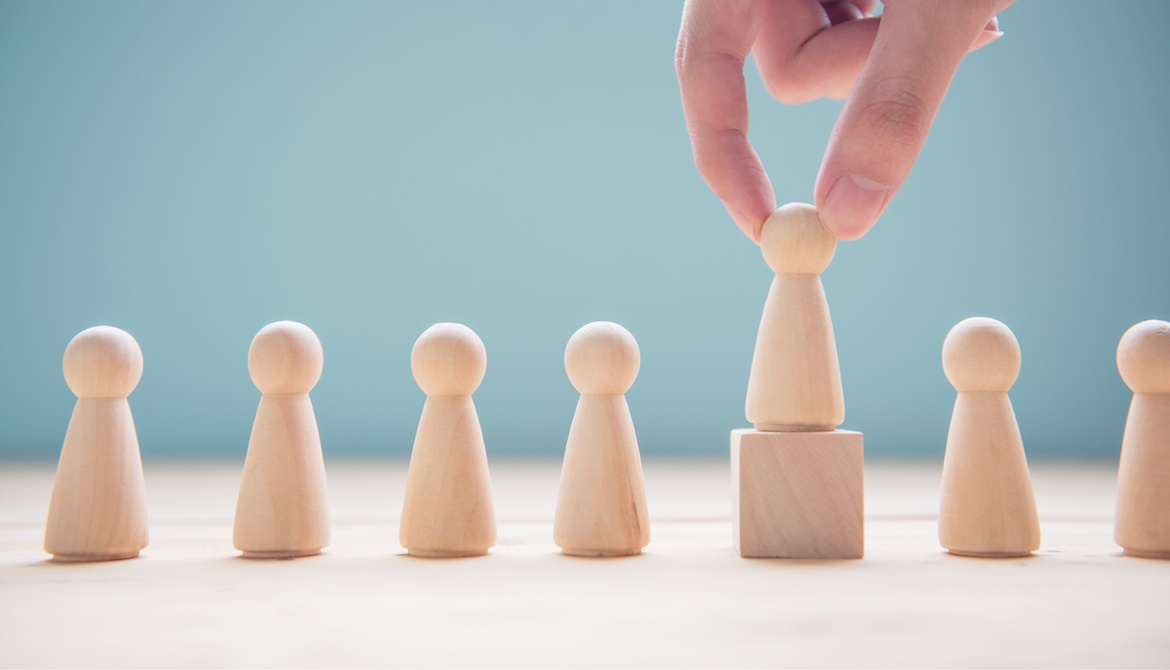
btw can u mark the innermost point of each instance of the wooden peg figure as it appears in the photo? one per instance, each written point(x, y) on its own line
point(448, 511)
point(987, 507)
point(98, 507)
point(601, 507)
point(795, 382)
point(283, 509)
point(1143, 482)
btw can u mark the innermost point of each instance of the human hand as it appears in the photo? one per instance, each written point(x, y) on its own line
point(895, 70)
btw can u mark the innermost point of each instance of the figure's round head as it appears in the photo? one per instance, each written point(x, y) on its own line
point(981, 354)
point(602, 357)
point(102, 362)
point(794, 241)
point(448, 359)
point(285, 357)
point(1143, 357)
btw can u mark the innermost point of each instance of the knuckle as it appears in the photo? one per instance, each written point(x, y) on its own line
point(711, 156)
point(706, 164)
point(900, 117)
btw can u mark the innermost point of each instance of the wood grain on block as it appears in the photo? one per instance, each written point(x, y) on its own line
point(283, 507)
point(987, 508)
point(1142, 525)
point(601, 506)
point(97, 511)
point(795, 382)
point(798, 495)
point(448, 511)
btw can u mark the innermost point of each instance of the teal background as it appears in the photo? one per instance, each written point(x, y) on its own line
point(193, 171)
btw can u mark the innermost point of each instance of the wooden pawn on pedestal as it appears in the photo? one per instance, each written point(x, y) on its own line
point(601, 507)
point(448, 510)
point(987, 508)
point(1142, 526)
point(797, 480)
point(98, 508)
point(283, 508)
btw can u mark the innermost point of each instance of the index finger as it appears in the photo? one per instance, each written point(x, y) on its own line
point(715, 39)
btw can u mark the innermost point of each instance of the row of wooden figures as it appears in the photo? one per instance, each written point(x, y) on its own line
point(98, 510)
point(987, 506)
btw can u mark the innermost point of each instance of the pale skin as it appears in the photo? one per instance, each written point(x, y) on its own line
point(894, 71)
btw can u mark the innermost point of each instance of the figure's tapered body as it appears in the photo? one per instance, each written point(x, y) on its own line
point(97, 511)
point(601, 505)
point(987, 506)
point(448, 510)
point(283, 506)
point(795, 381)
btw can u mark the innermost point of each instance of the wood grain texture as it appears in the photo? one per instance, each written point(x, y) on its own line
point(1143, 483)
point(447, 510)
point(97, 510)
point(795, 382)
point(987, 508)
point(798, 495)
point(283, 509)
point(601, 506)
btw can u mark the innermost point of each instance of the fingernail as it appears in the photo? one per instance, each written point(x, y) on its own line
point(853, 205)
point(986, 37)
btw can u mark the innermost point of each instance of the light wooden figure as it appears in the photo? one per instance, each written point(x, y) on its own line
point(795, 382)
point(1143, 483)
point(98, 507)
point(797, 482)
point(987, 508)
point(283, 508)
point(601, 507)
point(448, 511)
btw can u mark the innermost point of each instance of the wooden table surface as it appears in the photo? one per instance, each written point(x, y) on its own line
point(689, 601)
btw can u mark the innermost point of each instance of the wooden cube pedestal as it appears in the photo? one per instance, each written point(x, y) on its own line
point(797, 495)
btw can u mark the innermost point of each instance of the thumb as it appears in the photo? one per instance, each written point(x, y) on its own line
point(884, 123)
